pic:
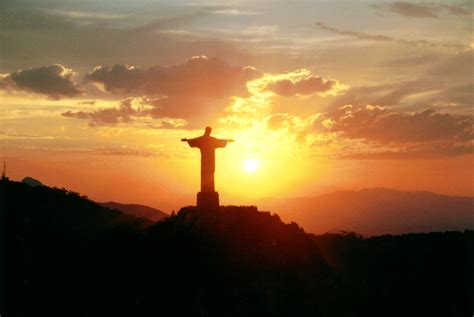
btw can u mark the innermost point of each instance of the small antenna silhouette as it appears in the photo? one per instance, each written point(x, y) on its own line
point(4, 172)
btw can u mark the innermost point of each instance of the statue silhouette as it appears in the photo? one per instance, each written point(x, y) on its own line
point(207, 144)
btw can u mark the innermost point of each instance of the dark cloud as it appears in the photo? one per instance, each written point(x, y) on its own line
point(409, 9)
point(119, 78)
point(427, 10)
point(374, 123)
point(124, 113)
point(385, 38)
point(456, 10)
point(54, 81)
point(129, 111)
point(303, 86)
point(198, 76)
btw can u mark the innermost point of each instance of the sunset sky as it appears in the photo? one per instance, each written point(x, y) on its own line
point(319, 96)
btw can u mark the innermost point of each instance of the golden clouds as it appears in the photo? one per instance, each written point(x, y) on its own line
point(378, 132)
point(247, 102)
point(302, 82)
point(299, 83)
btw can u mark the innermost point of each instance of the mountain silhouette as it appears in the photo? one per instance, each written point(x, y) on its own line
point(137, 210)
point(64, 255)
point(377, 211)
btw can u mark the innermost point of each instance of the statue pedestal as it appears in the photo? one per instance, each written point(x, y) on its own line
point(208, 200)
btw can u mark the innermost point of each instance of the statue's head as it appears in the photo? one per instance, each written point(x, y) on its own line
point(208, 131)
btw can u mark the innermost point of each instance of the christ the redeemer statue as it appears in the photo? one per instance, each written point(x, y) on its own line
point(207, 197)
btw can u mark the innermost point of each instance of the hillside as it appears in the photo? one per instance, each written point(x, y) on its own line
point(67, 256)
point(137, 210)
point(29, 208)
point(377, 211)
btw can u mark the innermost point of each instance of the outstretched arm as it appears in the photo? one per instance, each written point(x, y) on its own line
point(192, 142)
point(221, 142)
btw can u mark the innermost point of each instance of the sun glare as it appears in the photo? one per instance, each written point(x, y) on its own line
point(251, 166)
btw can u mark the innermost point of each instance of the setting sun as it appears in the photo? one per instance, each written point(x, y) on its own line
point(251, 166)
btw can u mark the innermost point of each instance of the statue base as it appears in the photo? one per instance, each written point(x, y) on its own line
point(209, 200)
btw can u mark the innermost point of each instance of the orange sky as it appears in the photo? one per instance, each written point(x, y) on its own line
point(323, 96)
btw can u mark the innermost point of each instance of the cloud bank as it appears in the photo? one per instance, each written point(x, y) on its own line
point(199, 76)
point(375, 132)
point(54, 81)
point(129, 111)
point(375, 123)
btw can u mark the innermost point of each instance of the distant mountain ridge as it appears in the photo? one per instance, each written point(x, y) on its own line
point(137, 210)
point(371, 212)
point(377, 211)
